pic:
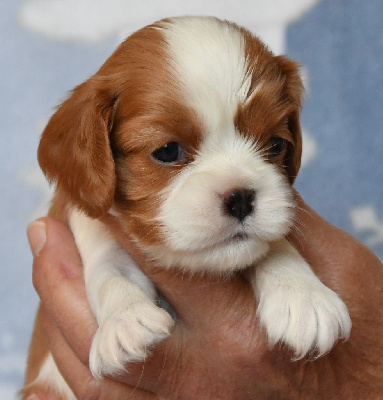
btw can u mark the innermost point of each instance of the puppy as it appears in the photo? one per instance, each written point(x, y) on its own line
point(189, 135)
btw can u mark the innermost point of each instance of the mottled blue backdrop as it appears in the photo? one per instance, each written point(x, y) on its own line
point(340, 46)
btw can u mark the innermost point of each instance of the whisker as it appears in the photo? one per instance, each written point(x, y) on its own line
point(300, 223)
point(163, 366)
point(139, 381)
point(297, 238)
point(305, 211)
point(297, 229)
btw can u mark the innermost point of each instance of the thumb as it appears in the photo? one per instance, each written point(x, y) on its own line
point(58, 280)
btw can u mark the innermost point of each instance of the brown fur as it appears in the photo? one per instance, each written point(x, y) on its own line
point(274, 109)
point(97, 146)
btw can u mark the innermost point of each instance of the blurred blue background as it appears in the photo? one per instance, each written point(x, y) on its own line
point(49, 46)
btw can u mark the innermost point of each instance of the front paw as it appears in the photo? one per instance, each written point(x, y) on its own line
point(127, 335)
point(308, 320)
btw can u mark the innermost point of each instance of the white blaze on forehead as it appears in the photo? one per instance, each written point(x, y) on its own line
point(209, 60)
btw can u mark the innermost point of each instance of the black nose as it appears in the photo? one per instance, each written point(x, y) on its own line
point(239, 203)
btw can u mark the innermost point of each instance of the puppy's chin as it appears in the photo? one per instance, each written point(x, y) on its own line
point(235, 253)
point(198, 232)
point(223, 255)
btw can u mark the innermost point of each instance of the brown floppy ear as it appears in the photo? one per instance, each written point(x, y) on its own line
point(294, 91)
point(75, 151)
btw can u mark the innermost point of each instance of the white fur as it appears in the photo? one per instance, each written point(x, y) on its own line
point(200, 235)
point(208, 58)
point(211, 68)
point(121, 297)
point(295, 307)
point(50, 377)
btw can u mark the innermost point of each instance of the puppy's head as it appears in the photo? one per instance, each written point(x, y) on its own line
point(190, 134)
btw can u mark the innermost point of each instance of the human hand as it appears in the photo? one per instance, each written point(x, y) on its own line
point(216, 350)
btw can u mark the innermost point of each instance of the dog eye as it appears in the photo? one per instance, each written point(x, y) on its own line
point(169, 153)
point(275, 146)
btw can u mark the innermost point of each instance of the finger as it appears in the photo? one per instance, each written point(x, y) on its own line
point(316, 238)
point(323, 246)
point(78, 376)
point(75, 373)
point(58, 280)
point(311, 233)
point(340, 260)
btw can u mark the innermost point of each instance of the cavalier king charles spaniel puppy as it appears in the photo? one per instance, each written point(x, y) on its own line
point(189, 136)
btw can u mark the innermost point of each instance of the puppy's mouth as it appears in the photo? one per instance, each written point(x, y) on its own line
point(240, 237)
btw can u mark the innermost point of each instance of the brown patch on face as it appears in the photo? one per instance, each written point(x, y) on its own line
point(273, 105)
point(140, 178)
point(97, 147)
point(149, 114)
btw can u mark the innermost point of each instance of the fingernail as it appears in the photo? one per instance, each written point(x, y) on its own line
point(37, 236)
point(33, 397)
